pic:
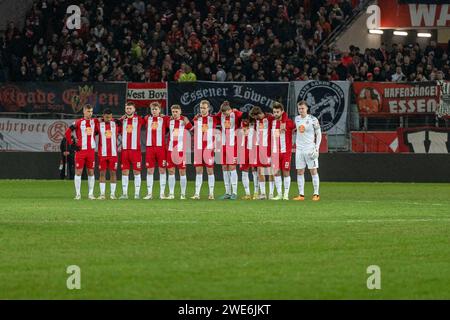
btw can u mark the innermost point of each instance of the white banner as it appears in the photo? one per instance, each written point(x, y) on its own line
point(32, 135)
point(327, 101)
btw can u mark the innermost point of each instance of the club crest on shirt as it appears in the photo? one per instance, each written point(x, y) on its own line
point(89, 131)
point(108, 134)
point(129, 128)
point(301, 129)
point(154, 125)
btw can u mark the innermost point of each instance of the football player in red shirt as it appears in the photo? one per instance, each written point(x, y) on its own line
point(230, 120)
point(281, 149)
point(108, 133)
point(204, 146)
point(155, 154)
point(131, 149)
point(85, 130)
point(179, 141)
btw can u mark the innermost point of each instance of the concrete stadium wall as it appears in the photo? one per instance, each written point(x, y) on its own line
point(344, 167)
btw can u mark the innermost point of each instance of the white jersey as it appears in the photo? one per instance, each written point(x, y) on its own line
point(308, 128)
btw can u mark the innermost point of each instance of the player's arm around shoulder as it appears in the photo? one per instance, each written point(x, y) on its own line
point(187, 124)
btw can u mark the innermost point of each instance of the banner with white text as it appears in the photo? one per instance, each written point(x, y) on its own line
point(32, 135)
point(241, 95)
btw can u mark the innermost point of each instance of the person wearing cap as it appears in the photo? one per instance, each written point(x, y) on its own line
point(377, 75)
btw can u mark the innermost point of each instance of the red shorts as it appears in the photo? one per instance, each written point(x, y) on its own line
point(282, 161)
point(204, 158)
point(229, 155)
point(247, 159)
point(85, 157)
point(155, 156)
point(176, 159)
point(131, 158)
point(107, 163)
point(263, 157)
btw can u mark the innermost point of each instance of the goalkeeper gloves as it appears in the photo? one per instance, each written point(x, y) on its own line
point(314, 154)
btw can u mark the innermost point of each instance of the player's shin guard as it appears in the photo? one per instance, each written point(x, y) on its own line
point(102, 188)
point(77, 182)
point(246, 182)
point(226, 181)
point(149, 183)
point(162, 183)
point(211, 181)
point(91, 184)
point(301, 184)
point(316, 182)
point(137, 184)
point(287, 185)
point(113, 189)
point(234, 181)
point(279, 185)
point(171, 184)
point(262, 187)
point(183, 184)
point(271, 188)
point(198, 183)
point(125, 185)
point(255, 182)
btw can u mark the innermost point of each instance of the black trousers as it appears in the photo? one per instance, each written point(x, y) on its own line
point(70, 163)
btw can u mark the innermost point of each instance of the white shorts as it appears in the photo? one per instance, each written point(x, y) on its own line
point(302, 160)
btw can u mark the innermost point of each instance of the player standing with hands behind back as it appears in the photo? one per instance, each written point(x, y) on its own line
point(309, 137)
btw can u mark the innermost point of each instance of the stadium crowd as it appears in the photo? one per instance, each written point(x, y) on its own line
point(259, 40)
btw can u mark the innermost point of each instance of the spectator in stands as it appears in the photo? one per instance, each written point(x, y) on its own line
point(398, 76)
point(187, 75)
point(133, 40)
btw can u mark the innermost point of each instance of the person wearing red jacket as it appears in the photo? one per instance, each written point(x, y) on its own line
point(84, 143)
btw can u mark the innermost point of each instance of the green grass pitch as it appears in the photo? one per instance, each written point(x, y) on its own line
point(162, 249)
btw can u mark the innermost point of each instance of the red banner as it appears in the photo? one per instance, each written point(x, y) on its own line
point(390, 98)
point(395, 15)
point(142, 94)
point(375, 141)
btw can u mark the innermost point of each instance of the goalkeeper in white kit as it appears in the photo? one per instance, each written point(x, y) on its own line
point(309, 137)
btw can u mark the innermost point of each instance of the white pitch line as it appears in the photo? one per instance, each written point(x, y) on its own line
point(149, 222)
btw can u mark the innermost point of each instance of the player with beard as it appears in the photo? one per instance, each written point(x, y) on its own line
point(131, 149)
point(281, 153)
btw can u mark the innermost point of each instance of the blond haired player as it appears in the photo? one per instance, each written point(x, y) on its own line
point(155, 154)
point(309, 137)
point(204, 141)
